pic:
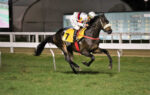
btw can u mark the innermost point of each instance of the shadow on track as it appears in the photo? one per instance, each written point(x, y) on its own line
point(93, 72)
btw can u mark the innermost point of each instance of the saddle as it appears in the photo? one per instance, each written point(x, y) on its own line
point(69, 33)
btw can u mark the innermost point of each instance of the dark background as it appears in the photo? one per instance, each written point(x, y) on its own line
point(47, 15)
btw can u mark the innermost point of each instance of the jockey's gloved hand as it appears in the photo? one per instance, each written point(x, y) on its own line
point(86, 25)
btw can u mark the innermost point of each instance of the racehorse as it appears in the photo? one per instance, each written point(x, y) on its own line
point(89, 44)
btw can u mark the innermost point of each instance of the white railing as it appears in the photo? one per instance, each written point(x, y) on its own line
point(130, 45)
point(30, 44)
point(33, 41)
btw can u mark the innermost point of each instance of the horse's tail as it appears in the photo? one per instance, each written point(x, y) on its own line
point(41, 46)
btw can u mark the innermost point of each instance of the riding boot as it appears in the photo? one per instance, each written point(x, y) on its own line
point(75, 35)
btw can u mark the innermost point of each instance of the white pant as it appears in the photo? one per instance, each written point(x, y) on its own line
point(76, 27)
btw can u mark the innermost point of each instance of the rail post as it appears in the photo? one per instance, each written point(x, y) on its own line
point(36, 38)
point(119, 55)
point(0, 59)
point(53, 55)
point(11, 42)
point(53, 59)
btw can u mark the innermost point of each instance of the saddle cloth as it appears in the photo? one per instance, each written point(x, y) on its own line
point(69, 33)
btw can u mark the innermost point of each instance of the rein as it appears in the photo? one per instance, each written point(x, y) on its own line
point(91, 38)
point(77, 45)
point(87, 36)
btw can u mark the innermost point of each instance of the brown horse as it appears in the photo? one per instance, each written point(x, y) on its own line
point(88, 44)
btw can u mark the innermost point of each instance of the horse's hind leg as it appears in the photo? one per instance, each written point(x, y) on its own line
point(109, 57)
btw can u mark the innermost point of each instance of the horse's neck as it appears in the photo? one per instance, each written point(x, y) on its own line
point(94, 32)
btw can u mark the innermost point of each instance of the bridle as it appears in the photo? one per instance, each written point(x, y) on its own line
point(103, 26)
point(106, 25)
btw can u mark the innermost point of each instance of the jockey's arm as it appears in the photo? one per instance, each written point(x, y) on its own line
point(81, 24)
point(84, 24)
point(87, 24)
point(74, 23)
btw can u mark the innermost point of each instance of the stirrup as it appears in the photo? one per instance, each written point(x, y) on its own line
point(75, 38)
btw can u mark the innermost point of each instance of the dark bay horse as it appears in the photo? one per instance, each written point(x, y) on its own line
point(88, 45)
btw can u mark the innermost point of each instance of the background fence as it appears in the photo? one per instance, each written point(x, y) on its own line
point(32, 39)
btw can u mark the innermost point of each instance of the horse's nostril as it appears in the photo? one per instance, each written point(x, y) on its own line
point(109, 32)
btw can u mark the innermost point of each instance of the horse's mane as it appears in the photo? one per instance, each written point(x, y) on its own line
point(93, 20)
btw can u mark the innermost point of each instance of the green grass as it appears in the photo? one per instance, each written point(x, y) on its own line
point(24, 74)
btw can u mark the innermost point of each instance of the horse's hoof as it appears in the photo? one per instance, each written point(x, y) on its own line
point(109, 67)
point(75, 72)
point(85, 63)
point(79, 69)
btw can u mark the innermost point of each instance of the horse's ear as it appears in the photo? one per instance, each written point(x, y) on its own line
point(102, 14)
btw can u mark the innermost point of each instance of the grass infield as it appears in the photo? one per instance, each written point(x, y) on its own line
point(25, 74)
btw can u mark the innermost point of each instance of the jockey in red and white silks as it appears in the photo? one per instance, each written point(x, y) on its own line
point(78, 20)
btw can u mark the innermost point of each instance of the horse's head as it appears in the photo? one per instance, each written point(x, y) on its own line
point(105, 24)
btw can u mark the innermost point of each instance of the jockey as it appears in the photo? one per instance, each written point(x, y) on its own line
point(91, 15)
point(78, 20)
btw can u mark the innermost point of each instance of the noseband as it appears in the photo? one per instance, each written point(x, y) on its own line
point(104, 26)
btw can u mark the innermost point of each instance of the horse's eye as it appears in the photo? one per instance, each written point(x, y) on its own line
point(107, 22)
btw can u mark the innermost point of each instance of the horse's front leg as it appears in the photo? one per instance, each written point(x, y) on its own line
point(107, 53)
point(109, 57)
point(69, 57)
point(88, 54)
point(72, 64)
